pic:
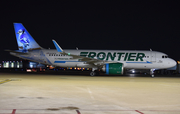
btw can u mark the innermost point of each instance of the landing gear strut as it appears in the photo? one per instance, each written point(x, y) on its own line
point(94, 72)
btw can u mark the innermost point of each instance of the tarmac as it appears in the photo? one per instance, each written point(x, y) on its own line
point(40, 93)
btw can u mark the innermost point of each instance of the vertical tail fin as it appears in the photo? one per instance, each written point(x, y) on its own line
point(24, 40)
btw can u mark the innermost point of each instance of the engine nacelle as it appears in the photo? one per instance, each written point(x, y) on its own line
point(113, 68)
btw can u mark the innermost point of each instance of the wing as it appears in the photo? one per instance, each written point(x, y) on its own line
point(81, 58)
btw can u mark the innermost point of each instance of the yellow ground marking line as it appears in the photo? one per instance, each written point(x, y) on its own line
point(8, 80)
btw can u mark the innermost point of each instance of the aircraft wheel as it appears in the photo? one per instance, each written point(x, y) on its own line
point(93, 73)
point(152, 76)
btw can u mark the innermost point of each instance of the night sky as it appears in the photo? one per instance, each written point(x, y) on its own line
point(115, 25)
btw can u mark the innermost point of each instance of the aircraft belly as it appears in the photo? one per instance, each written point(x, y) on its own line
point(152, 65)
point(86, 65)
point(139, 66)
point(66, 64)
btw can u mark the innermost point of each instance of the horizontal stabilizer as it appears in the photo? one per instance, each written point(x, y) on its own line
point(18, 52)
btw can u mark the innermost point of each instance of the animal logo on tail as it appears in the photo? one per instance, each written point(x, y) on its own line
point(24, 39)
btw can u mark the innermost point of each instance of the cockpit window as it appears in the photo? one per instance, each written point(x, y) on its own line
point(164, 56)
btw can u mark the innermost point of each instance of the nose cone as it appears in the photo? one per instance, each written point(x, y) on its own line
point(172, 63)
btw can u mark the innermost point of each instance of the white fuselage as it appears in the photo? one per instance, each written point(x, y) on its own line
point(130, 59)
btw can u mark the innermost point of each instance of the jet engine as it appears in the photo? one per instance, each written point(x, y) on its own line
point(113, 68)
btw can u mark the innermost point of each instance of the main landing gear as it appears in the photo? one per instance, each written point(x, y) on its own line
point(94, 72)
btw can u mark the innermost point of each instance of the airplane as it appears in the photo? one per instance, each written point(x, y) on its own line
point(111, 62)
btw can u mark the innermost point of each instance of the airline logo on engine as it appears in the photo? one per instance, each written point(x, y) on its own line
point(121, 56)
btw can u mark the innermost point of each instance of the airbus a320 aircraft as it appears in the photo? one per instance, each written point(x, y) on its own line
point(108, 61)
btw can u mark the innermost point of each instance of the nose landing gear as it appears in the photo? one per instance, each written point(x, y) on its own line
point(152, 72)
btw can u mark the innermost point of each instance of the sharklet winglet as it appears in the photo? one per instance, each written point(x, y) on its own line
point(59, 49)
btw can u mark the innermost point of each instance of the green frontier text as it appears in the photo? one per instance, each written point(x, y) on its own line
point(121, 56)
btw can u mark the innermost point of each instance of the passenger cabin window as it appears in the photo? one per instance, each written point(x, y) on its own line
point(145, 56)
